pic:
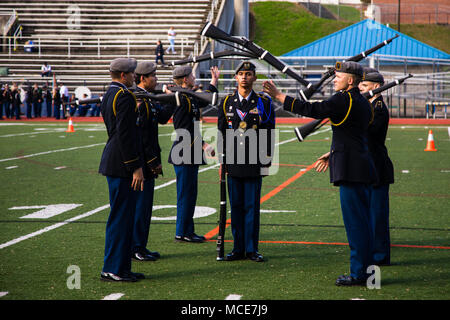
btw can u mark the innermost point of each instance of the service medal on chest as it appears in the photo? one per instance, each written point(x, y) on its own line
point(243, 125)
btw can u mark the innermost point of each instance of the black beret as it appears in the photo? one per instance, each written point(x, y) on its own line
point(245, 65)
point(145, 67)
point(181, 72)
point(372, 75)
point(349, 67)
point(123, 65)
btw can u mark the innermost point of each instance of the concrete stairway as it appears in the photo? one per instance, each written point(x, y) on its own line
point(80, 38)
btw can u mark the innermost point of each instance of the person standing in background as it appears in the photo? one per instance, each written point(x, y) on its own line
point(159, 53)
point(171, 37)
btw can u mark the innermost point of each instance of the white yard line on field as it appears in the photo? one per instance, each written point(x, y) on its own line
point(52, 151)
point(89, 213)
point(113, 296)
point(53, 226)
point(233, 297)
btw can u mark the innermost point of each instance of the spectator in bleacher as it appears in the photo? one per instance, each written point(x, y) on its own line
point(46, 70)
point(29, 100)
point(1, 101)
point(46, 93)
point(95, 108)
point(56, 102)
point(159, 53)
point(83, 108)
point(15, 101)
point(36, 98)
point(64, 92)
point(5, 101)
point(171, 37)
point(29, 46)
point(72, 107)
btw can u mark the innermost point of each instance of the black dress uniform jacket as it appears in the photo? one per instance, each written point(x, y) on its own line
point(123, 152)
point(377, 137)
point(150, 114)
point(184, 117)
point(350, 114)
point(256, 118)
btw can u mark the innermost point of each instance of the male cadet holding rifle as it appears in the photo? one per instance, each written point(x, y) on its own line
point(122, 165)
point(244, 117)
point(150, 114)
point(186, 153)
point(351, 167)
point(379, 192)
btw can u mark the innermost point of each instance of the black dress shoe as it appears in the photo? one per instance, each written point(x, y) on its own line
point(154, 254)
point(108, 276)
point(194, 238)
point(143, 256)
point(233, 256)
point(201, 237)
point(255, 256)
point(349, 281)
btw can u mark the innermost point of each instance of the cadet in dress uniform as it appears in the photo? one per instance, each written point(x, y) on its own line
point(245, 114)
point(379, 192)
point(121, 163)
point(186, 153)
point(351, 167)
point(150, 114)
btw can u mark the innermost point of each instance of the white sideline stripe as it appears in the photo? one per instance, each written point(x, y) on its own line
point(114, 296)
point(30, 133)
point(89, 213)
point(294, 139)
point(233, 297)
point(4, 293)
point(448, 131)
point(62, 150)
point(52, 151)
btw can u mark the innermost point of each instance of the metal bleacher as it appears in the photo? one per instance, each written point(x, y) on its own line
point(78, 39)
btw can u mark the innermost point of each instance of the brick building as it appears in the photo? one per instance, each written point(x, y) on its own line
point(414, 11)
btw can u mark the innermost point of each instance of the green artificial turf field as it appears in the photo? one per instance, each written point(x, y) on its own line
point(302, 234)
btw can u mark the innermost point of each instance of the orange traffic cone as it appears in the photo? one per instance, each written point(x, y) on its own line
point(70, 128)
point(430, 143)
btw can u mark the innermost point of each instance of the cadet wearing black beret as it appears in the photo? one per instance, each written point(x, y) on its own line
point(351, 166)
point(242, 116)
point(122, 164)
point(245, 66)
point(379, 192)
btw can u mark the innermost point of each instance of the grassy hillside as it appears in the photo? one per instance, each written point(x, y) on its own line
point(437, 36)
point(283, 26)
